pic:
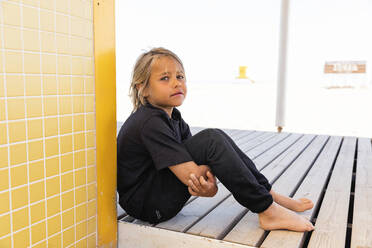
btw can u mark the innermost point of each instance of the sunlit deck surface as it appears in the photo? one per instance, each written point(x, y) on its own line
point(334, 172)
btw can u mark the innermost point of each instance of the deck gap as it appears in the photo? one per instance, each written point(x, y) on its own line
point(205, 214)
point(321, 197)
point(308, 169)
point(306, 239)
point(259, 242)
point(351, 199)
point(232, 225)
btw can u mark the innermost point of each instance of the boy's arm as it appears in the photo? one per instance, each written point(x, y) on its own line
point(184, 170)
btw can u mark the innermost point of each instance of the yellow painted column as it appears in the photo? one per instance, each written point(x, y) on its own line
point(104, 54)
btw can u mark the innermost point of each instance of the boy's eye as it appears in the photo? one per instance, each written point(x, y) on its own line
point(180, 77)
point(164, 78)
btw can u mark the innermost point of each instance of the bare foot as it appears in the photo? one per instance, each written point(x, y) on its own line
point(278, 217)
point(298, 205)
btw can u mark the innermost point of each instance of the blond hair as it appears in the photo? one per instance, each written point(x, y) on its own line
point(142, 72)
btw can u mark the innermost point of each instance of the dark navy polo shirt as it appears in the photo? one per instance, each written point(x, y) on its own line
point(149, 140)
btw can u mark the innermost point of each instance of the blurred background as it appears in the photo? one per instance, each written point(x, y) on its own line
point(329, 82)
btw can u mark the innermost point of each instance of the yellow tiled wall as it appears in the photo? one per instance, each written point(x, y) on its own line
point(47, 124)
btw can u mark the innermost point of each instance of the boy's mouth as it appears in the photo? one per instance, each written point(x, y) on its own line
point(178, 93)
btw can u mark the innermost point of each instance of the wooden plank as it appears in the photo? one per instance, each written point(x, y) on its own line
point(361, 235)
point(258, 150)
point(311, 188)
point(139, 236)
point(248, 231)
point(194, 211)
point(331, 223)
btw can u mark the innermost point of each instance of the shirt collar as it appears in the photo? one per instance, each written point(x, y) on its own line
point(176, 114)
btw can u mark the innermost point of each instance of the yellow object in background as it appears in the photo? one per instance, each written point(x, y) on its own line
point(243, 73)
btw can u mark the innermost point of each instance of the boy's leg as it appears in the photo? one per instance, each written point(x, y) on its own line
point(248, 162)
point(211, 148)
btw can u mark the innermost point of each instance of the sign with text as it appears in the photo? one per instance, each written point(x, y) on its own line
point(345, 67)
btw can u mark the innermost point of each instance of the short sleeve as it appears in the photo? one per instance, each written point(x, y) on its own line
point(164, 148)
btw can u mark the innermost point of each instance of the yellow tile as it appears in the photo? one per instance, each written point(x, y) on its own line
point(50, 84)
point(62, 23)
point(68, 216)
point(6, 242)
point(49, 63)
point(69, 236)
point(35, 128)
point(38, 232)
point(54, 225)
point(37, 191)
point(77, 65)
point(63, 44)
point(79, 159)
point(33, 85)
point(30, 17)
point(4, 179)
point(67, 181)
point(82, 243)
point(65, 123)
point(3, 134)
point(63, 6)
point(47, 4)
point(13, 62)
point(88, 67)
point(79, 141)
point(91, 171)
point(92, 191)
point(52, 186)
point(81, 230)
point(66, 162)
point(22, 238)
point(43, 244)
point(18, 154)
point(80, 177)
point(17, 131)
point(92, 225)
point(51, 126)
point(1, 58)
point(77, 85)
point(55, 241)
point(52, 166)
point(88, 10)
point(31, 40)
point(34, 107)
point(91, 139)
point(81, 212)
point(20, 219)
point(16, 108)
point(48, 42)
point(92, 241)
point(35, 150)
point(36, 170)
point(64, 85)
point(80, 195)
point(50, 106)
point(77, 8)
point(64, 64)
point(53, 205)
point(51, 147)
point(2, 110)
point(14, 85)
point(90, 121)
point(4, 225)
point(12, 38)
point(67, 202)
point(37, 212)
point(12, 13)
point(92, 208)
point(65, 105)
point(19, 197)
point(18, 175)
point(2, 89)
point(4, 199)
point(31, 62)
point(77, 26)
point(34, 3)
point(79, 123)
point(91, 157)
point(77, 46)
point(66, 144)
point(78, 103)
point(89, 103)
point(47, 22)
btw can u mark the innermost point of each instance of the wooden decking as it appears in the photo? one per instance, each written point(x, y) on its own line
point(334, 172)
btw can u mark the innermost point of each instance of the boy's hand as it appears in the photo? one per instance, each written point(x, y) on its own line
point(202, 187)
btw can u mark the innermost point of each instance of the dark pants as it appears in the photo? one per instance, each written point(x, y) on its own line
point(228, 163)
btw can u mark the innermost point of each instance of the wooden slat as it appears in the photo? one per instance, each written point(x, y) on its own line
point(258, 150)
point(331, 223)
point(361, 235)
point(248, 231)
point(310, 188)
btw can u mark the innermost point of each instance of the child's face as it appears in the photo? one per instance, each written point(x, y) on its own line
point(167, 84)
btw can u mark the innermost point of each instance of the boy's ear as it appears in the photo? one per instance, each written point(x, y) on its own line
point(144, 92)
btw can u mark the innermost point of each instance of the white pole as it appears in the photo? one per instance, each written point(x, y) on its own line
point(282, 65)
